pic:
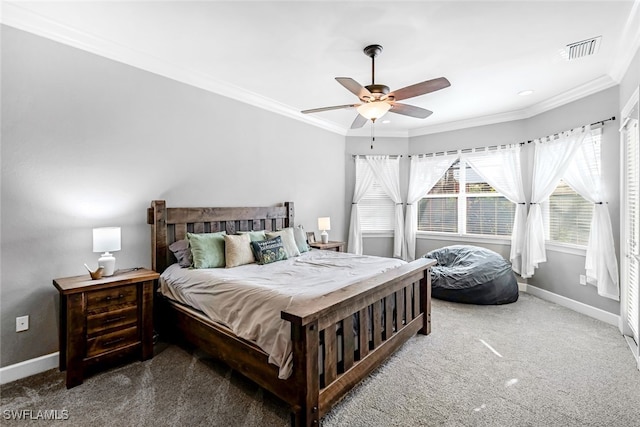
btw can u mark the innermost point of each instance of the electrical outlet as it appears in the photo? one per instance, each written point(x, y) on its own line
point(583, 279)
point(22, 323)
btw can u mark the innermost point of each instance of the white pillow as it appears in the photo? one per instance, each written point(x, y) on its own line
point(237, 250)
point(288, 241)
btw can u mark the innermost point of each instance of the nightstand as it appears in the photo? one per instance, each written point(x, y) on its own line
point(103, 321)
point(331, 246)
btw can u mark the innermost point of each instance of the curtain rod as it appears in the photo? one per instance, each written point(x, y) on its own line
point(495, 147)
point(599, 122)
point(391, 156)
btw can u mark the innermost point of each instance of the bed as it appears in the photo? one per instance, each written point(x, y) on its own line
point(391, 307)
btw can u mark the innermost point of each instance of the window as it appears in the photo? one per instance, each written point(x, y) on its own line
point(567, 215)
point(376, 209)
point(463, 203)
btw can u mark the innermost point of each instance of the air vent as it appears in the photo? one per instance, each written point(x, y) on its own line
point(583, 48)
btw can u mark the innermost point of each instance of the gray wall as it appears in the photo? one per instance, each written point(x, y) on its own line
point(89, 142)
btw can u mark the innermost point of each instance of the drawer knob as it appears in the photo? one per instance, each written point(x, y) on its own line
point(108, 298)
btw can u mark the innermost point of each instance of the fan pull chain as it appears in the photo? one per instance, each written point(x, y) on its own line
point(373, 138)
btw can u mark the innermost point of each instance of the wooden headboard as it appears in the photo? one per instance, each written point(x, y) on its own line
point(171, 224)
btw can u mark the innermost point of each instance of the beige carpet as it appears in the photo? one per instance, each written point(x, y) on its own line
point(531, 363)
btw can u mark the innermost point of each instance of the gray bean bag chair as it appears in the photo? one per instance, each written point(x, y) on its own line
point(472, 275)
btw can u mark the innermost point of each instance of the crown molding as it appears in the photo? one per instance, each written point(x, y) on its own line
point(23, 19)
point(629, 45)
point(589, 88)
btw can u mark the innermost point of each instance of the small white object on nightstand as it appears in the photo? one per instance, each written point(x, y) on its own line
point(106, 239)
point(324, 224)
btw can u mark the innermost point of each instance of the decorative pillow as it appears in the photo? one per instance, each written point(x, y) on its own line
point(237, 250)
point(182, 252)
point(268, 251)
point(255, 236)
point(207, 249)
point(288, 241)
point(301, 239)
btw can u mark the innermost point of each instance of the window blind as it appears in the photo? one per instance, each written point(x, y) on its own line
point(567, 215)
point(632, 224)
point(376, 209)
point(463, 202)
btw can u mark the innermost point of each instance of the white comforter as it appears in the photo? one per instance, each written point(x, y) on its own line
point(248, 299)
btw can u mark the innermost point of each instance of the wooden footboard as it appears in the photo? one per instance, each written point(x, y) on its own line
point(387, 310)
point(337, 341)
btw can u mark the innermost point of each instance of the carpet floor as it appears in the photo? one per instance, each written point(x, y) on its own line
point(531, 363)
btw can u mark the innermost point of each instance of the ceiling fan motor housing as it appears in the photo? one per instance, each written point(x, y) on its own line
point(377, 91)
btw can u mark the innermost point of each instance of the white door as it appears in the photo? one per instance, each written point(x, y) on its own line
point(631, 225)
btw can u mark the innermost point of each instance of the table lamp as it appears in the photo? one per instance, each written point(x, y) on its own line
point(324, 224)
point(106, 239)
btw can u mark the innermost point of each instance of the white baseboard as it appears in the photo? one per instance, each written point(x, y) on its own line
point(29, 367)
point(596, 313)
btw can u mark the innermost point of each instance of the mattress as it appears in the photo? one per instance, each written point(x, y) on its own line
point(249, 299)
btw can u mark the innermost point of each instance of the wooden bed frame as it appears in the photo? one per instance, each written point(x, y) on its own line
point(391, 307)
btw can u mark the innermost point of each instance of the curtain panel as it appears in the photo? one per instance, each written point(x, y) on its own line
point(601, 264)
point(424, 174)
point(551, 160)
point(365, 181)
point(502, 170)
point(387, 173)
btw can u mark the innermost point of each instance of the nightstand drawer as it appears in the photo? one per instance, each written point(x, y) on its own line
point(114, 340)
point(112, 297)
point(113, 319)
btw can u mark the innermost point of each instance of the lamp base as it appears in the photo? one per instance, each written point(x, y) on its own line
point(108, 262)
point(324, 237)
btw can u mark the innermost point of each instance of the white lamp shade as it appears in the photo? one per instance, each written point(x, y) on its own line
point(106, 239)
point(324, 223)
point(374, 110)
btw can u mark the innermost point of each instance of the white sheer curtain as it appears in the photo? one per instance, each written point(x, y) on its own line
point(387, 173)
point(601, 263)
point(364, 180)
point(502, 170)
point(424, 174)
point(551, 160)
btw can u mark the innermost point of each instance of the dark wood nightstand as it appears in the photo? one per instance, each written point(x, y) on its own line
point(104, 320)
point(331, 246)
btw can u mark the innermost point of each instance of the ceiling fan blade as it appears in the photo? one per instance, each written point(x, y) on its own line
point(335, 107)
point(410, 110)
point(354, 87)
point(420, 89)
point(359, 121)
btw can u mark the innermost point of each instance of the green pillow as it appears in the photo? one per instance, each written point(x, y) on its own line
point(255, 236)
point(301, 239)
point(207, 249)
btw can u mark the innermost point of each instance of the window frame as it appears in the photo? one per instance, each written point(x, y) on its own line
point(462, 195)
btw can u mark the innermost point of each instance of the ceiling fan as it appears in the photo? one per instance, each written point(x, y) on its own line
point(376, 100)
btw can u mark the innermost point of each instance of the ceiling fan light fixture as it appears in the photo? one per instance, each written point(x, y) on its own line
point(374, 110)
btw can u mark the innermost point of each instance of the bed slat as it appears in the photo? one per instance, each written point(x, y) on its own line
point(399, 310)
point(363, 333)
point(408, 305)
point(348, 346)
point(330, 355)
point(388, 316)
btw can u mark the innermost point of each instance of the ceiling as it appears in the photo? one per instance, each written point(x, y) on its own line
point(284, 56)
